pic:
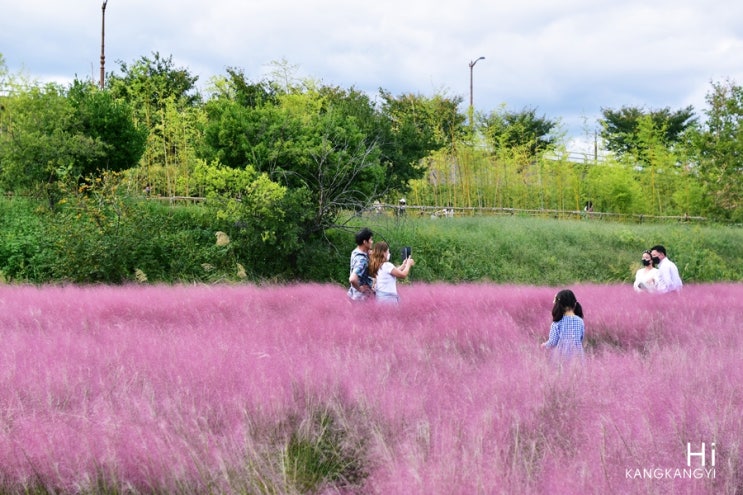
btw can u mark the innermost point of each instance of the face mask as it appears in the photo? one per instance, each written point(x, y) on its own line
point(645, 262)
point(656, 260)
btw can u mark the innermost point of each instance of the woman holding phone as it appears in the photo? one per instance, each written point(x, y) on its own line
point(386, 274)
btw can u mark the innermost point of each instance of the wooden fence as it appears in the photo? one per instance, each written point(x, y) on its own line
point(449, 212)
point(452, 211)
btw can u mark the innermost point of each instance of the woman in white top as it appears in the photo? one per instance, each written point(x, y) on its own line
point(385, 273)
point(646, 278)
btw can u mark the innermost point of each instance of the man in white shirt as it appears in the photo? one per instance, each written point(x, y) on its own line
point(668, 274)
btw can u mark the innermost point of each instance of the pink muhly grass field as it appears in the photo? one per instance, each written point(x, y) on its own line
point(291, 389)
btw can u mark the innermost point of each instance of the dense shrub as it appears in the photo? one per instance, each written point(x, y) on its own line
point(22, 238)
point(88, 241)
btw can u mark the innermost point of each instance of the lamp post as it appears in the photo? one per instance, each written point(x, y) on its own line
point(103, 36)
point(472, 65)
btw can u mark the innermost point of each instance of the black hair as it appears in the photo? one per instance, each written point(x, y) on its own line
point(363, 235)
point(660, 249)
point(565, 300)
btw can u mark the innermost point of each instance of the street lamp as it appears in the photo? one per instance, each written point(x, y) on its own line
point(103, 35)
point(472, 65)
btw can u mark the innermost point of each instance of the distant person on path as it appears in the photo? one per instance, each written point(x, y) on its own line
point(588, 209)
point(669, 279)
point(387, 273)
point(361, 282)
point(567, 329)
point(646, 278)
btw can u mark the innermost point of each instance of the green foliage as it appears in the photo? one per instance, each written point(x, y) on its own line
point(319, 452)
point(102, 118)
point(509, 129)
point(690, 197)
point(298, 154)
point(340, 149)
point(621, 128)
point(105, 239)
point(236, 87)
point(151, 81)
point(720, 144)
point(512, 178)
point(165, 101)
point(262, 218)
point(23, 232)
point(51, 138)
point(412, 126)
point(334, 144)
point(38, 143)
point(101, 236)
point(304, 143)
point(612, 188)
point(170, 154)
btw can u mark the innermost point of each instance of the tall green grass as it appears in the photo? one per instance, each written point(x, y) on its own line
point(540, 251)
point(177, 244)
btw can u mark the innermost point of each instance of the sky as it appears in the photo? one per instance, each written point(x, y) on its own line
point(568, 60)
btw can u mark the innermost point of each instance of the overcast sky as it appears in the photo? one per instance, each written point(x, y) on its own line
point(567, 59)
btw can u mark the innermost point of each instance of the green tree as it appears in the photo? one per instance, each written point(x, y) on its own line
point(720, 144)
point(97, 115)
point(620, 129)
point(236, 87)
point(305, 141)
point(524, 130)
point(149, 82)
point(320, 148)
point(413, 126)
point(42, 150)
point(287, 130)
point(246, 124)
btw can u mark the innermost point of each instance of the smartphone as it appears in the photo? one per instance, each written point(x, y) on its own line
point(407, 252)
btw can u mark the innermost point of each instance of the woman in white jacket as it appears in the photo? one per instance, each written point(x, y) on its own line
point(646, 278)
point(386, 274)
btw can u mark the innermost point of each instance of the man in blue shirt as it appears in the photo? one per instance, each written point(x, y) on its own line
point(361, 282)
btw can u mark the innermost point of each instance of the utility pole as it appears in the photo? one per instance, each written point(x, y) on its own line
point(472, 108)
point(103, 37)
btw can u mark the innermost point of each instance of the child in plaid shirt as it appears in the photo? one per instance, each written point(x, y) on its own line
point(567, 329)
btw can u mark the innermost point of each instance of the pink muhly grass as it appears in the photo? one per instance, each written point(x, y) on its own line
point(230, 389)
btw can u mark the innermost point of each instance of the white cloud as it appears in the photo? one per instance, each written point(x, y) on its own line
point(569, 59)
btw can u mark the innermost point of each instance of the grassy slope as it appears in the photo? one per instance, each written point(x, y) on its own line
point(551, 252)
point(506, 249)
